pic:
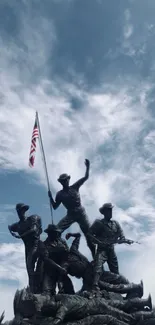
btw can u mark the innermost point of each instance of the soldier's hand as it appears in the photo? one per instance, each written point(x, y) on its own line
point(50, 194)
point(87, 163)
point(68, 235)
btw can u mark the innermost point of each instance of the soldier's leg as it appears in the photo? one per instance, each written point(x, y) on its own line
point(143, 315)
point(31, 260)
point(65, 285)
point(112, 261)
point(99, 320)
point(102, 307)
point(65, 222)
point(113, 278)
point(131, 305)
point(84, 225)
point(100, 259)
point(49, 284)
point(121, 288)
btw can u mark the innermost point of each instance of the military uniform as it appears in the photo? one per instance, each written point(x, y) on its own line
point(31, 240)
point(105, 232)
point(70, 198)
point(74, 307)
point(54, 254)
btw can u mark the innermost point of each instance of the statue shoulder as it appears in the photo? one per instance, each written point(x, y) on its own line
point(34, 218)
point(97, 223)
point(116, 223)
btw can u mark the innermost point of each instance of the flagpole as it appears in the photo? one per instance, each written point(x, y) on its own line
point(44, 161)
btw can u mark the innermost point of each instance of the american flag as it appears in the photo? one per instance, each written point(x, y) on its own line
point(35, 135)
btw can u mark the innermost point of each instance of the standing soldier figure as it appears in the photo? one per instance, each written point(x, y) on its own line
point(29, 230)
point(69, 196)
point(103, 232)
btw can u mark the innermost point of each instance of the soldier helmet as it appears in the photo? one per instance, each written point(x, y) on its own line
point(52, 229)
point(106, 206)
point(63, 177)
point(20, 206)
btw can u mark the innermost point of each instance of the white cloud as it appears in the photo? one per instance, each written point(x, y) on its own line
point(128, 27)
point(12, 275)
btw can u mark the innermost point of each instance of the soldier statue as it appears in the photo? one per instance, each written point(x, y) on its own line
point(80, 267)
point(29, 230)
point(75, 307)
point(69, 196)
point(103, 232)
point(52, 263)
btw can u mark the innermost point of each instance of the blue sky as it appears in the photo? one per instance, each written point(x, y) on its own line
point(88, 68)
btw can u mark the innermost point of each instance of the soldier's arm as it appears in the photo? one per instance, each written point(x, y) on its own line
point(66, 248)
point(82, 180)
point(61, 313)
point(55, 204)
point(14, 228)
point(44, 255)
point(31, 231)
point(93, 232)
point(76, 242)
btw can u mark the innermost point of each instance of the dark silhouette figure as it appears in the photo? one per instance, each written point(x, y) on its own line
point(69, 196)
point(29, 230)
point(53, 255)
point(80, 267)
point(102, 232)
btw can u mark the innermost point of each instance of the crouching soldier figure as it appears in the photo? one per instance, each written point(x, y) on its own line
point(53, 256)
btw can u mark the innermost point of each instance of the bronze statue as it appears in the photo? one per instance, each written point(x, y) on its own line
point(29, 230)
point(53, 253)
point(39, 304)
point(101, 233)
point(69, 196)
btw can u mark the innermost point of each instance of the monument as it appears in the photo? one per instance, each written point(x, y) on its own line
point(106, 297)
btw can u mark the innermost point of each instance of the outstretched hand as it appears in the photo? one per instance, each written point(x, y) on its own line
point(87, 163)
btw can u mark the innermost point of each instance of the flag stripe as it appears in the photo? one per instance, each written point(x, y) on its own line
point(35, 135)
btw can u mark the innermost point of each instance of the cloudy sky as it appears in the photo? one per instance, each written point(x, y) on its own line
point(88, 67)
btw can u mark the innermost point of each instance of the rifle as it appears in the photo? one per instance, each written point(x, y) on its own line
point(108, 241)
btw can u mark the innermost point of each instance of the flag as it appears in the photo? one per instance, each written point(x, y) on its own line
point(35, 135)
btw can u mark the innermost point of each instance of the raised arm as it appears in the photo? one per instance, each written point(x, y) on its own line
point(44, 255)
point(75, 244)
point(55, 204)
point(82, 180)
